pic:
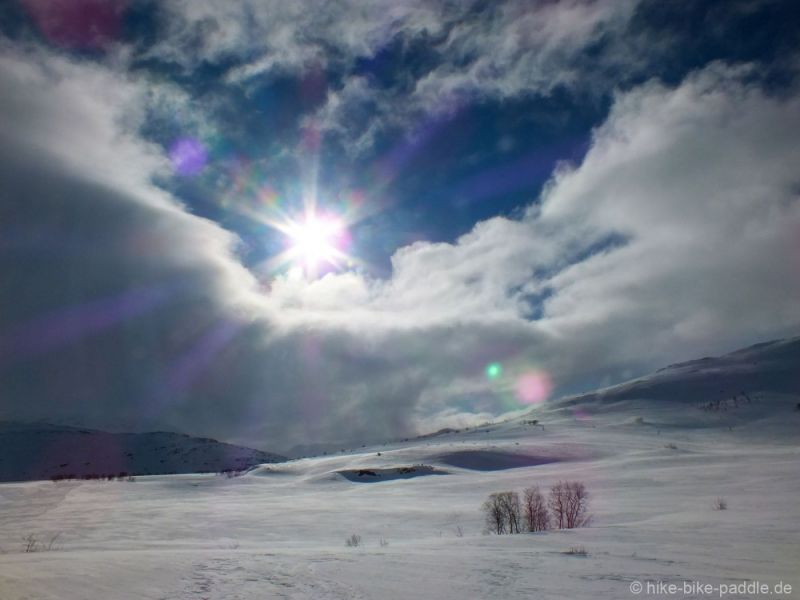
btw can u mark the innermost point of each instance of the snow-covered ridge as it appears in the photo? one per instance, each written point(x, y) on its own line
point(33, 451)
point(768, 368)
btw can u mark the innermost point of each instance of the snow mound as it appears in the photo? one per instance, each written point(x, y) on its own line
point(274, 469)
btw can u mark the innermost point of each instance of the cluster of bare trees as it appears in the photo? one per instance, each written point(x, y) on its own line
point(566, 507)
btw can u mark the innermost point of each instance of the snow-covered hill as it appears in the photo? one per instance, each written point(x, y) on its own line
point(654, 465)
point(766, 368)
point(754, 390)
point(42, 451)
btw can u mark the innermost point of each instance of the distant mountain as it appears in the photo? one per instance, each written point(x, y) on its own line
point(33, 451)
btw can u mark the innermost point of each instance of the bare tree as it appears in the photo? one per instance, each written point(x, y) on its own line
point(30, 543)
point(569, 503)
point(557, 502)
point(495, 516)
point(577, 505)
point(534, 510)
point(503, 512)
point(512, 510)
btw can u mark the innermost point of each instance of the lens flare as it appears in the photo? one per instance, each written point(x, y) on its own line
point(494, 370)
point(581, 415)
point(188, 156)
point(533, 387)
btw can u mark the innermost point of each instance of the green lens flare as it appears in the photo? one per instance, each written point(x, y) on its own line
point(494, 370)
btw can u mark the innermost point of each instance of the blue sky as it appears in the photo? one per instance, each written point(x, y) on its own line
point(578, 190)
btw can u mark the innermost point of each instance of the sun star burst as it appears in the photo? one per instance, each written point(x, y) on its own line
point(316, 242)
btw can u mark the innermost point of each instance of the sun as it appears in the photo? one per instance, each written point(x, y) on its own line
point(316, 240)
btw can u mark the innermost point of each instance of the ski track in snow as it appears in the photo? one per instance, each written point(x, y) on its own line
point(24, 502)
point(251, 577)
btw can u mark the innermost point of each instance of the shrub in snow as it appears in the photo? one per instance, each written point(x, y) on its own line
point(577, 551)
point(720, 504)
point(353, 541)
point(30, 543)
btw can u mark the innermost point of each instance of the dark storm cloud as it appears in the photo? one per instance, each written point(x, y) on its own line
point(104, 276)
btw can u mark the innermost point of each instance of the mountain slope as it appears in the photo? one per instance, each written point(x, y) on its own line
point(42, 451)
point(753, 391)
point(765, 368)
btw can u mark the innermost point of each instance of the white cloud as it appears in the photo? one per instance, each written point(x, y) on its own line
point(277, 37)
point(523, 47)
point(504, 50)
point(512, 49)
point(701, 179)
